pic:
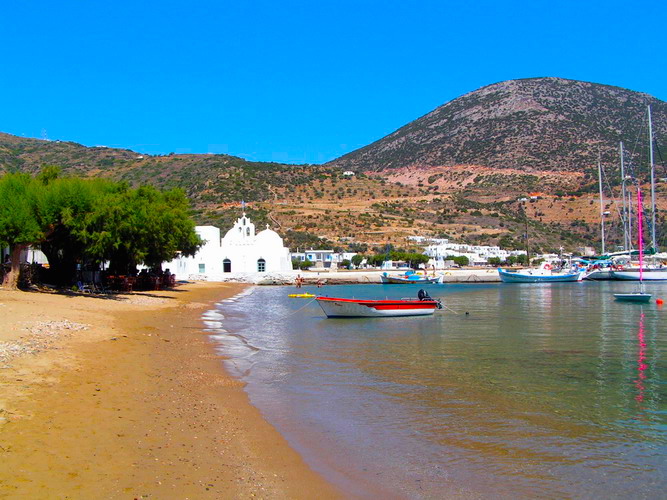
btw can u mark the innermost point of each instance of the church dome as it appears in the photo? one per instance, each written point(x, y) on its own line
point(269, 237)
point(242, 233)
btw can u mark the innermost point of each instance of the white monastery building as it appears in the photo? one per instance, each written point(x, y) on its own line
point(241, 250)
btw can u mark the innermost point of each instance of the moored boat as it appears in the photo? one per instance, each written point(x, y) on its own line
point(335, 307)
point(409, 279)
point(599, 274)
point(647, 275)
point(640, 295)
point(542, 275)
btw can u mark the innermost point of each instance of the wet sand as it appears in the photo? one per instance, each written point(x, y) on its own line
point(127, 399)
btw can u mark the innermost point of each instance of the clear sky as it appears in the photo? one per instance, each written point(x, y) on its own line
point(295, 81)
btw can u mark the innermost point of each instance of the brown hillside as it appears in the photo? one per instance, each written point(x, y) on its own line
point(539, 124)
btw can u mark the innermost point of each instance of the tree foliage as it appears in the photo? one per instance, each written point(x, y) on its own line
point(19, 223)
point(357, 260)
point(76, 221)
point(19, 207)
point(460, 260)
point(304, 265)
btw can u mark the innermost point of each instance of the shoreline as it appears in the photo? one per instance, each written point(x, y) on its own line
point(344, 277)
point(134, 404)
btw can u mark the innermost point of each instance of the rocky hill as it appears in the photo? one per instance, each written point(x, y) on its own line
point(476, 170)
point(535, 124)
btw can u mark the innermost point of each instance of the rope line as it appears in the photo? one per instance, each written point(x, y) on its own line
point(296, 310)
point(450, 309)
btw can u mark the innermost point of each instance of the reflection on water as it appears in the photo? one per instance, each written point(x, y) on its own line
point(541, 390)
point(641, 360)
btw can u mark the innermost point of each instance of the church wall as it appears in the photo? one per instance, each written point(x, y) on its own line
point(240, 245)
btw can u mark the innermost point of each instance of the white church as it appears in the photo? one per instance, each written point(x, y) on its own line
point(240, 251)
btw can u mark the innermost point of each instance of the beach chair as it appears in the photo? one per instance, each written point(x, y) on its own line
point(84, 287)
point(100, 288)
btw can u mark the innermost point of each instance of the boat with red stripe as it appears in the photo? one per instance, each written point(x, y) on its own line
point(336, 307)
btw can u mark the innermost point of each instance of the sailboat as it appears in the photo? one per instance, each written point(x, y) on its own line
point(653, 272)
point(602, 267)
point(639, 295)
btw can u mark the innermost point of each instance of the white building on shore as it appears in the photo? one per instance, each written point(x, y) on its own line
point(323, 259)
point(240, 251)
point(478, 255)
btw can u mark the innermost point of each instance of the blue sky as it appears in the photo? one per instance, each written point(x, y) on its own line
point(295, 81)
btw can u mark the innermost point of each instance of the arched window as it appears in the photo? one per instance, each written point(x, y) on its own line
point(247, 231)
point(261, 266)
point(226, 266)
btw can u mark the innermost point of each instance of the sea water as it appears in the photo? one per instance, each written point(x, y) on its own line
point(512, 390)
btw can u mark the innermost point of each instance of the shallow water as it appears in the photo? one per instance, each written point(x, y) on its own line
point(540, 391)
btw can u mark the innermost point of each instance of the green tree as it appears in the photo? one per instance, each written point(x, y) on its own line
point(77, 221)
point(139, 226)
point(417, 259)
point(305, 265)
point(357, 259)
point(19, 221)
point(67, 207)
point(494, 261)
point(376, 260)
point(460, 260)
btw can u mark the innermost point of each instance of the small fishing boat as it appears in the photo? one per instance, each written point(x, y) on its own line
point(544, 274)
point(335, 307)
point(409, 279)
point(639, 296)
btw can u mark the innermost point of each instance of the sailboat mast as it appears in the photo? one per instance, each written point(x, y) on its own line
point(640, 219)
point(601, 205)
point(630, 222)
point(527, 246)
point(626, 245)
point(650, 140)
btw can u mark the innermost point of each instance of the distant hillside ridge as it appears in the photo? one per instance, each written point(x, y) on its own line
point(534, 124)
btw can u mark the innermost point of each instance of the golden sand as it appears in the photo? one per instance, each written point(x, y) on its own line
point(125, 398)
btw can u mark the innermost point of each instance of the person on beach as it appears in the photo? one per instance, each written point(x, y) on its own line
point(299, 281)
point(320, 283)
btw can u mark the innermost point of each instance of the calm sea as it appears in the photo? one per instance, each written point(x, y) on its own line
point(539, 391)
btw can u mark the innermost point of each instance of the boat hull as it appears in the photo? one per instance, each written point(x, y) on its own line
point(395, 280)
point(633, 297)
point(634, 275)
point(599, 275)
point(527, 277)
point(352, 308)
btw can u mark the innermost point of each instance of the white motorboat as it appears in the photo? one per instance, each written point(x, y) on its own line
point(336, 307)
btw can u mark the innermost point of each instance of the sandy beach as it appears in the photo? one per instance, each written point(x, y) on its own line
point(124, 397)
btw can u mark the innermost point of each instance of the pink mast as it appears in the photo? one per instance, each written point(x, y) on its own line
point(640, 219)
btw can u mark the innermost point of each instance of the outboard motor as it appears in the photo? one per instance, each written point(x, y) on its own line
point(423, 295)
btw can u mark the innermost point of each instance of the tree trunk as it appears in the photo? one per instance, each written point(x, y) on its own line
point(62, 266)
point(11, 279)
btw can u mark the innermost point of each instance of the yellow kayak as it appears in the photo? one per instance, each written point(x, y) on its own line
point(301, 295)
